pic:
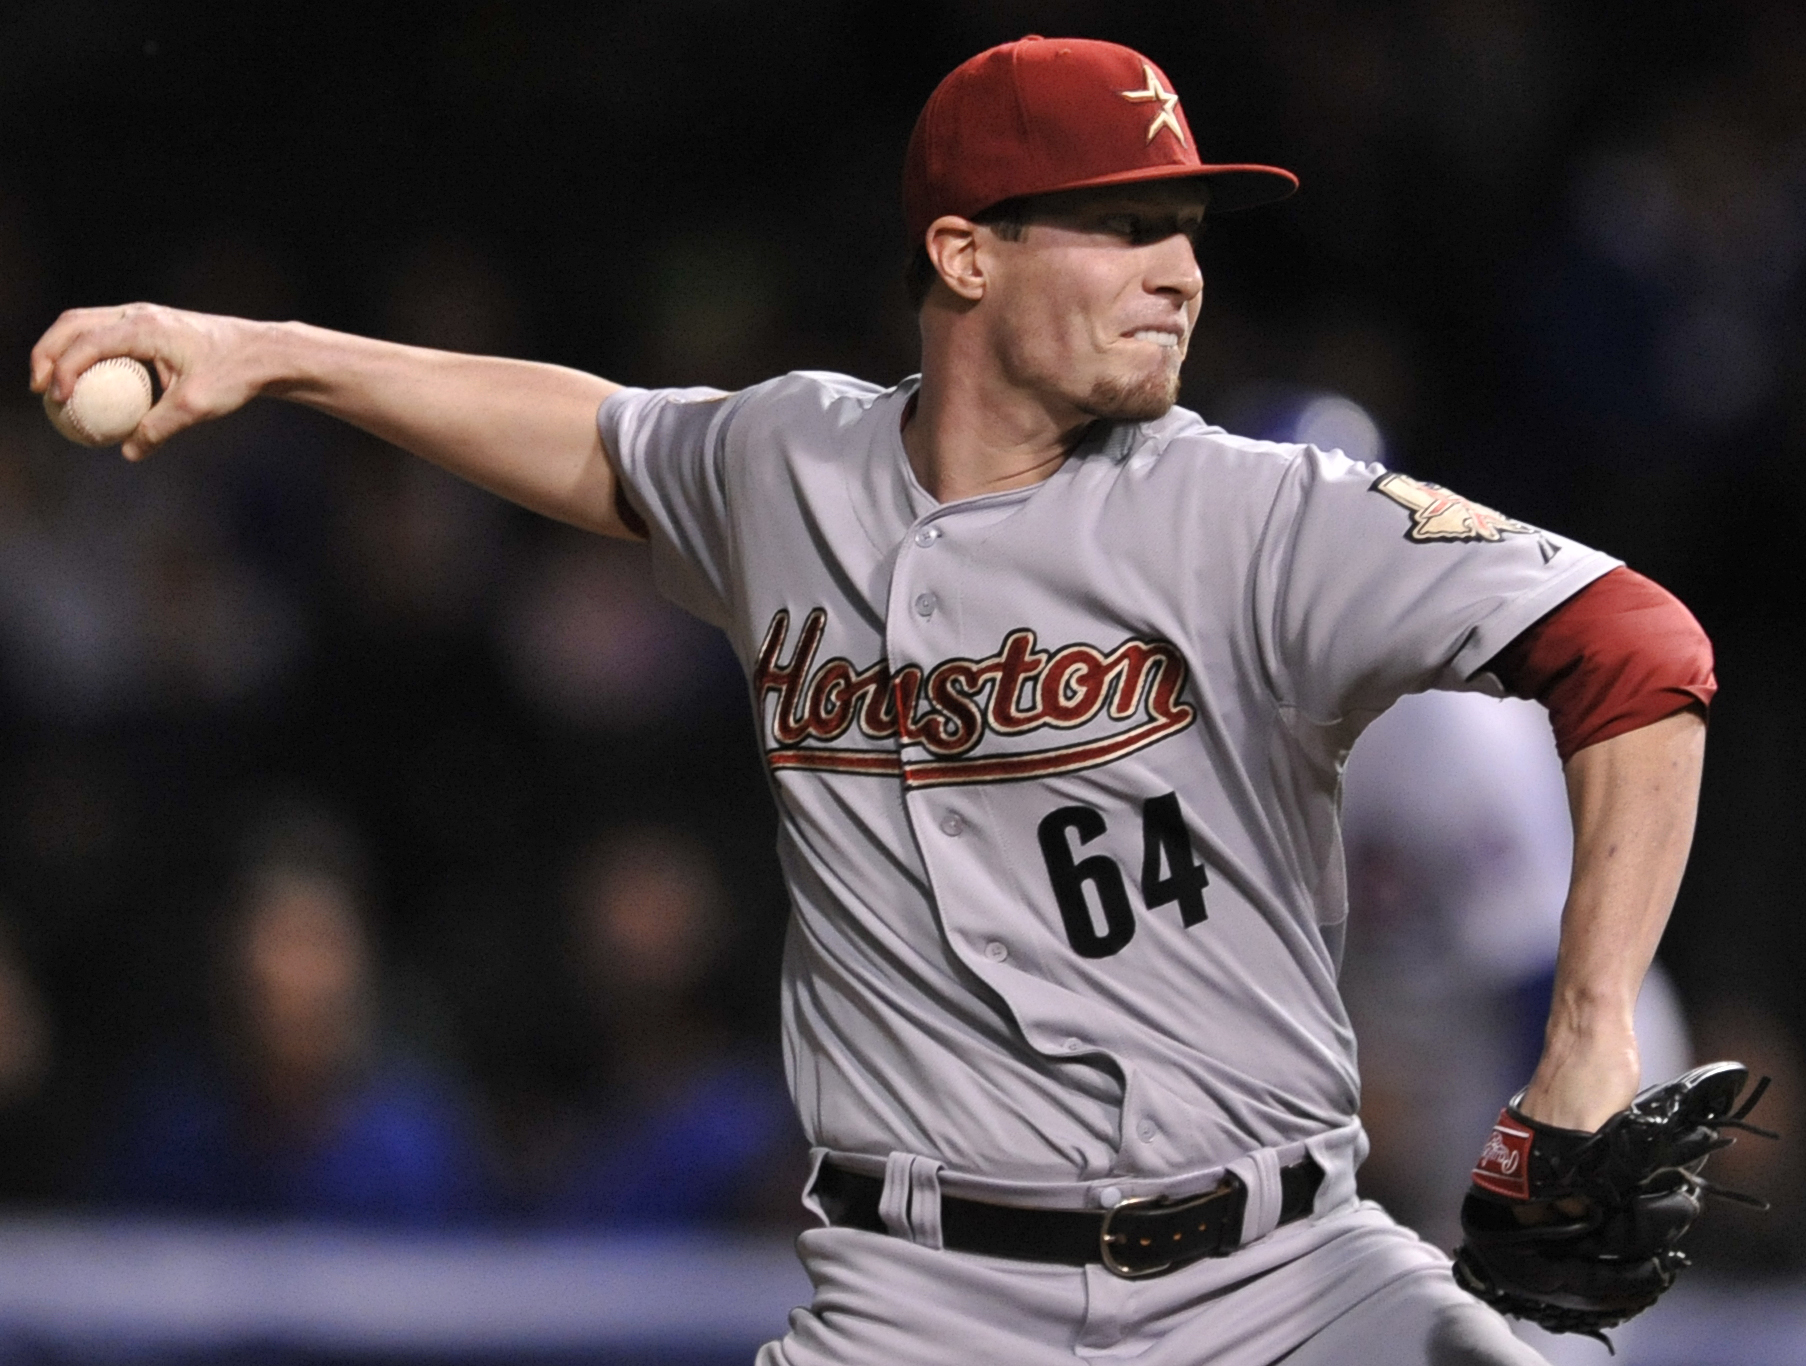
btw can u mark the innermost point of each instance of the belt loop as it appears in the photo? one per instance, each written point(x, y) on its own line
point(925, 1202)
point(911, 1204)
point(1339, 1153)
point(811, 1200)
point(1259, 1171)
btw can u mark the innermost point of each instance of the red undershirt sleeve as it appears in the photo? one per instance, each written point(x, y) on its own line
point(1618, 655)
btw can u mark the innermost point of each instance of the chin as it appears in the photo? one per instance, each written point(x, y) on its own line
point(1139, 399)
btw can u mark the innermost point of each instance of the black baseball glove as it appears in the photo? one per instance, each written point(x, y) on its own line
point(1577, 1231)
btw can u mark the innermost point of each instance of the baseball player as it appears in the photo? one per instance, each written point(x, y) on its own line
point(1054, 681)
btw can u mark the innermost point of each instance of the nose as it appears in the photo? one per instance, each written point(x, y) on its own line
point(1172, 268)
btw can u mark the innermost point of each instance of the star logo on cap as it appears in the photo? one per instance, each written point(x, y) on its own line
point(1168, 117)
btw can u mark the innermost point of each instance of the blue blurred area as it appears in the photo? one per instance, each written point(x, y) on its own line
point(685, 1162)
point(398, 1147)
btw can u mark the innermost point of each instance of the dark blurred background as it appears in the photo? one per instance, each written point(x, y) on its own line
point(376, 852)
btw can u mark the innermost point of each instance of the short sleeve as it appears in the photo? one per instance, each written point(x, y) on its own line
point(1372, 584)
point(670, 450)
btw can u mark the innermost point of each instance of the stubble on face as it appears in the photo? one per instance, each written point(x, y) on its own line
point(1094, 289)
point(1141, 399)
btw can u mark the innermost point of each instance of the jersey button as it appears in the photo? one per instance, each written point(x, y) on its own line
point(996, 952)
point(927, 536)
point(1110, 1197)
point(926, 603)
point(1074, 1045)
point(1148, 1130)
point(953, 824)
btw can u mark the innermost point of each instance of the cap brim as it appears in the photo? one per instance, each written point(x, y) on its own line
point(1231, 187)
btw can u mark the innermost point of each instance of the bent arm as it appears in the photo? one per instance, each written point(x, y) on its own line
point(1626, 673)
point(1633, 799)
point(524, 430)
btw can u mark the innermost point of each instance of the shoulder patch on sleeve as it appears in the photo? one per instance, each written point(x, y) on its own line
point(1440, 515)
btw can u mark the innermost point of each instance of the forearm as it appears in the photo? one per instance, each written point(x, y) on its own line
point(523, 430)
point(1633, 800)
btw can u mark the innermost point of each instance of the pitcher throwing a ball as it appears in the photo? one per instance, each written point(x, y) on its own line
point(1054, 681)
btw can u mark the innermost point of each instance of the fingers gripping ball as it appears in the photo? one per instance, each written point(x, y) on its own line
point(108, 402)
point(1578, 1231)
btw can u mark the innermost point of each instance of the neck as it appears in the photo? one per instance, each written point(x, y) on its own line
point(972, 432)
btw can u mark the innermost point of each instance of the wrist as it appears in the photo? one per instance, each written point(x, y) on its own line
point(1582, 1081)
point(1590, 1022)
point(279, 356)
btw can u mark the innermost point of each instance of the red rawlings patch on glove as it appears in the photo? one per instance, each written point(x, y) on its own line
point(1504, 1165)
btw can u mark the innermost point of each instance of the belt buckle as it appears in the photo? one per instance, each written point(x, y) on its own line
point(1120, 1250)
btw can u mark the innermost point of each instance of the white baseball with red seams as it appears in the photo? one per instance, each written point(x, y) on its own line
point(108, 401)
point(1057, 772)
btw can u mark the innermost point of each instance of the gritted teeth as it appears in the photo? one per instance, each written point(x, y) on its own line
point(1158, 335)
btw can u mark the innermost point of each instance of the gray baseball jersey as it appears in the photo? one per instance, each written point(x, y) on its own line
point(1057, 769)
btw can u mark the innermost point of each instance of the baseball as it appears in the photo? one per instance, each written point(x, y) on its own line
point(109, 400)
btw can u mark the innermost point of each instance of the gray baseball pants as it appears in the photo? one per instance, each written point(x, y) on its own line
point(1352, 1288)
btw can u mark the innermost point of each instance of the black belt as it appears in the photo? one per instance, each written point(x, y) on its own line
point(1136, 1238)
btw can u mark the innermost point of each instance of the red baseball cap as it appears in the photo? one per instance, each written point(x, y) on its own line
point(1045, 114)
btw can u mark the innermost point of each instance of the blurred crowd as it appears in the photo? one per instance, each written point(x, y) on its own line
point(371, 850)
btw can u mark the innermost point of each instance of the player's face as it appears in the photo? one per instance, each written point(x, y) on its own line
point(1098, 298)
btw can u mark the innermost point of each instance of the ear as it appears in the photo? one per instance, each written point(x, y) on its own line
point(952, 244)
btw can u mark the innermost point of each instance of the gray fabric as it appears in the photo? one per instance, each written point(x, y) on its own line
point(1419, 1320)
point(933, 1001)
point(1352, 1289)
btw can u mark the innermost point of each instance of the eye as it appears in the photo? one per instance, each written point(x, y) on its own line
point(1139, 228)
